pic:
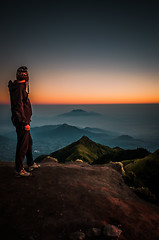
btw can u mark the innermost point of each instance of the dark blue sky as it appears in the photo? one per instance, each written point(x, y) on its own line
point(77, 30)
point(77, 33)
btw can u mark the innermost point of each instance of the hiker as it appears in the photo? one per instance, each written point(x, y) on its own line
point(21, 117)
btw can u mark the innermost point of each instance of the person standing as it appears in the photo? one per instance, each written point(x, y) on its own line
point(21, 117)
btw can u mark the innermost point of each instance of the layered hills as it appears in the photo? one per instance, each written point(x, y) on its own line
point(62, 135)
point(92, 152)
point(50, 138)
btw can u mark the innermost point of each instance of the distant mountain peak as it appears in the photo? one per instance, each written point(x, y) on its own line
point(78, 113)
point(66, 128)
point(78, 110)
point(65, 125)
point(125, 138)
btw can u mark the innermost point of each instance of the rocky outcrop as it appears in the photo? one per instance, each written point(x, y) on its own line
point(118, 166)
point(81, 201)
point(112, 232)
point(108, 232)
point(79, 160)
point(50, 159)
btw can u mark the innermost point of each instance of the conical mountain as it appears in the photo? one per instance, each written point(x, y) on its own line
point(84, 149)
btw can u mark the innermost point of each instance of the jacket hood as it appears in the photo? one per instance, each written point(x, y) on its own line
point(12, 85)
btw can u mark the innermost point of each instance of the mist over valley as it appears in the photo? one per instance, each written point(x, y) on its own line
point(56, 126)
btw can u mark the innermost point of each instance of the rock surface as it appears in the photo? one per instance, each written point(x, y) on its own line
point(77, 236)
point(61, 199)
point(111, 231)
point(118, 166)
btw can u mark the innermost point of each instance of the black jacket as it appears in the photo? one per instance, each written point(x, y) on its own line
point(20, 104)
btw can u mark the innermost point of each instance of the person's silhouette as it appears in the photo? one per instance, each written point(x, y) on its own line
point(21, 116)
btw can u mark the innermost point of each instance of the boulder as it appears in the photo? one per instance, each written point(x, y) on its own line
point(112, 232)
point(50, 159)
point(79, 161)
point(118, 166)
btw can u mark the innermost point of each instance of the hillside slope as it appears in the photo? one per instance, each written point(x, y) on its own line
point(92, 152)
point(144, 172)
point(84, 149)
point(60, 199)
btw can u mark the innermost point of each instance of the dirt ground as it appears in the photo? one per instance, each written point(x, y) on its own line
point(59, 199)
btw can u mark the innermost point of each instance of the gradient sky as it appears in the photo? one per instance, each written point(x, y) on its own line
point(82, 51)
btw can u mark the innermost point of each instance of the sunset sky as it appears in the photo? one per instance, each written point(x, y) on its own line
point(82, 52)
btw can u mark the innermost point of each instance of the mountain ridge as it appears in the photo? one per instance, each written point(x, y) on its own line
point(50, 138)
point(92, 152)
point(84, 149)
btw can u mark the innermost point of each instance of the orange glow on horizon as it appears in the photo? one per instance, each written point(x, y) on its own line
point(91, 87)
point(78, 102)
point(85, 102)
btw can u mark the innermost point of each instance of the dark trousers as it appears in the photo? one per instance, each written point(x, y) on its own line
point(24, 148)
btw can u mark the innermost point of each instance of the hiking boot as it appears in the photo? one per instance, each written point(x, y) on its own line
point(33, 167)
point(23, 173)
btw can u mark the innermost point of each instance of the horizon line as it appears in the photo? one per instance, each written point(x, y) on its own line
point(135, 103)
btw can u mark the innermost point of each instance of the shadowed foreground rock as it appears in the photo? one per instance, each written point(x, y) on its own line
point(61, 200)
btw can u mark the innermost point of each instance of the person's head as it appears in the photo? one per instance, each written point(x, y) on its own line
point(22, 74)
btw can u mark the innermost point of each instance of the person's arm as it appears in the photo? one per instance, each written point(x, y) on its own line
point(19, 110)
